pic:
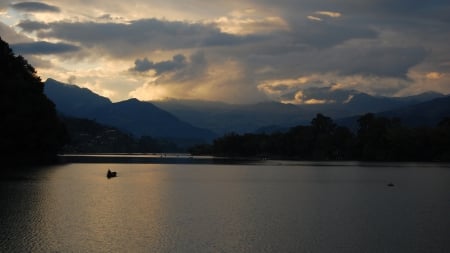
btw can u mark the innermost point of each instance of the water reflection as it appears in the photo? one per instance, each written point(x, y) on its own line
point(96, 211)
point(226, 208)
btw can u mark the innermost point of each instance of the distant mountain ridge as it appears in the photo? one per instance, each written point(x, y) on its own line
point(222, 118)
point(199, 119)
point(428, 113)
point(423, 114)
point(73, 100)
point(133, 116)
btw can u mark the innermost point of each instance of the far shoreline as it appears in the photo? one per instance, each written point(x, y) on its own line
point(186, 158)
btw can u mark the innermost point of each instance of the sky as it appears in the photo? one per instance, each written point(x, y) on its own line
point(235, 51)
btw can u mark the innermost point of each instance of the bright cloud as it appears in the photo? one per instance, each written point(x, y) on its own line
point(434, 75)
point(251, 21)
point(329, 14)
point(314, 18)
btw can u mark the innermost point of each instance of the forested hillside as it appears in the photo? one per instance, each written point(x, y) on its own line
point(88, 136)
point(377, 139)
point(30, 130)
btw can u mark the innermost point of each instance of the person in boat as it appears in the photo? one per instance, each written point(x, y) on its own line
point(111, 173)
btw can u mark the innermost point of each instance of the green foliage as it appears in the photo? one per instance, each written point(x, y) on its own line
point(30, 130)
point(377, 139)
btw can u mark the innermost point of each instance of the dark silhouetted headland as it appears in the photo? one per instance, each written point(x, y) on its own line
point(30, 130)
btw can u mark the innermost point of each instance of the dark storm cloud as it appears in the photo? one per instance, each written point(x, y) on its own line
point(181, 68)
point(121, 39)
point(31, 26)
point(178, 61)
point(34, 7)
point(43, 47)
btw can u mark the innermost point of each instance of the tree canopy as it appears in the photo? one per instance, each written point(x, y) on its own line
point(30, 130)
point(377, 139)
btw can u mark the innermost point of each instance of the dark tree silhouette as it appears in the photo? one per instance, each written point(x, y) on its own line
point(441, 140)
point(377, 139)
point(30, 130)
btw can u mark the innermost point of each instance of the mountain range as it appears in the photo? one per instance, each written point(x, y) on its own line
point(271, 116)
point(131, 116)
point(428, 113)
point(204, 120)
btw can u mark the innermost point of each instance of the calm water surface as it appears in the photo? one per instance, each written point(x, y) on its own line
point(268, 207)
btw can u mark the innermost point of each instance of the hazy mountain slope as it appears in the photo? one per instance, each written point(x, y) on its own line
point(222, 117)
point(428, 113)
point(73, 100)
point(143, 118)
point(133, 116)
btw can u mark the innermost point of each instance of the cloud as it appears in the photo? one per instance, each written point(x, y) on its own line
point(320, 95)
point(314, 18)
point(367, 8)
point(332, 87)
point(332, 14)
point(195, 69)
point(434, 75)
point(200, 79)
point(324, 34)
point(31, 26)
point(43, 48)
point(9, 35)
point(135, 37)
point(243, 51)
point(319, 15)
point(71, 79)
point(251, 22)
point(178, 69)
point(178, 61)
point(388, 61)
point(358, 57)
point(34, 7)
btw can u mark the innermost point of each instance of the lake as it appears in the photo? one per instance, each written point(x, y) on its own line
point(266, 206)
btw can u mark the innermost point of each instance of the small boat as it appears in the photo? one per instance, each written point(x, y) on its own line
point(111, 174)
point(390, 185)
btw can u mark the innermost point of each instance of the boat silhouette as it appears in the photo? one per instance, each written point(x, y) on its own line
point(111, 174)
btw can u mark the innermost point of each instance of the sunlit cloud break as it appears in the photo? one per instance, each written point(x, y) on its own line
point(329, 14)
